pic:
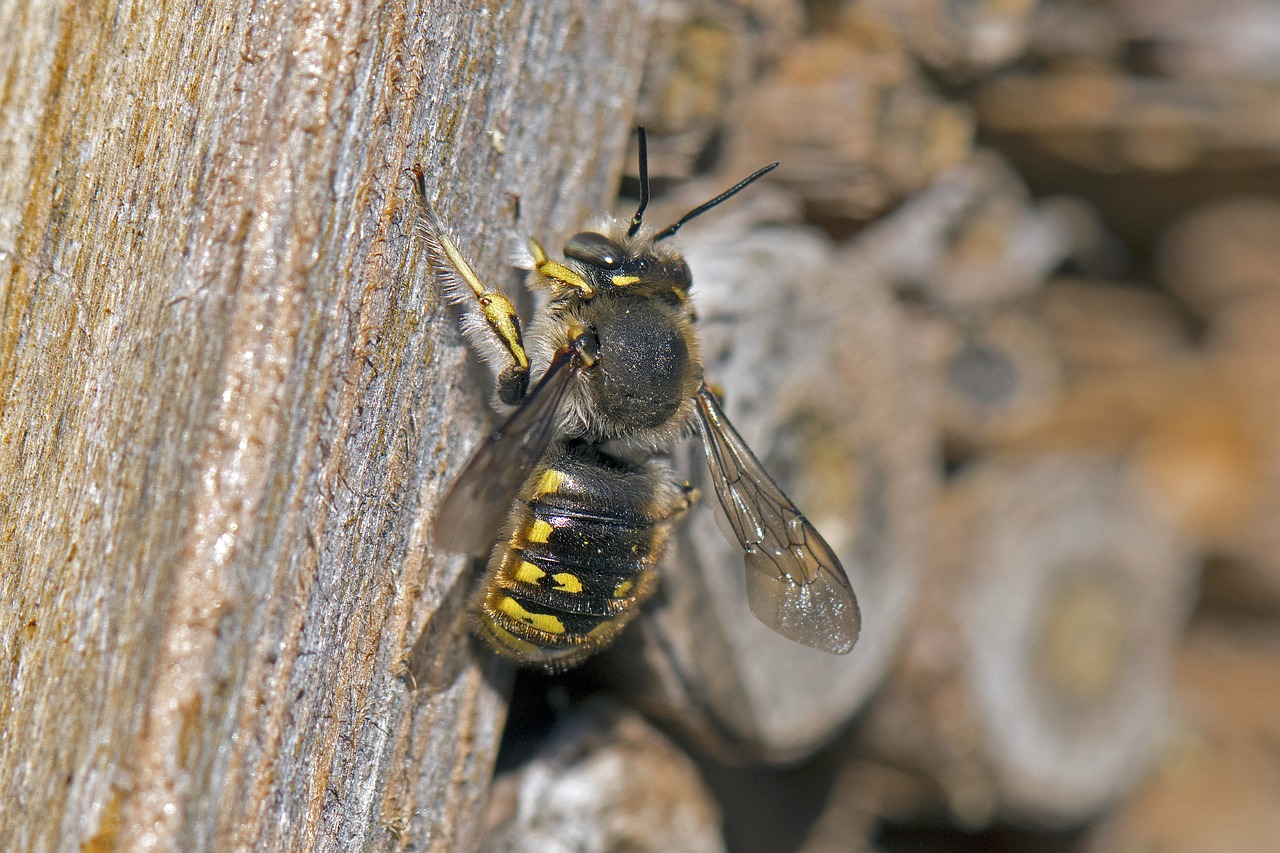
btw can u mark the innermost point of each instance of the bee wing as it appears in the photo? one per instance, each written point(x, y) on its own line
point(481, 497)
point(795, 584)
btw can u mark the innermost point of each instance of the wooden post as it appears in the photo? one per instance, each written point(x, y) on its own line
point(232, 396)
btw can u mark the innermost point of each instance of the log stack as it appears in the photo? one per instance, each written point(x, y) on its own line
point(1036, 680)
point(603, 779)
point(803, 343)
point(1092, 387)
point(1026, 424)
point(1004, 324)
point(1213, 787)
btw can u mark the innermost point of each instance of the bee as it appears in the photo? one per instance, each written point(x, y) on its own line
point(570, 499)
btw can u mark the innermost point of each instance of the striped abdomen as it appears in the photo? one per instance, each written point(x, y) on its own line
point(577, 558)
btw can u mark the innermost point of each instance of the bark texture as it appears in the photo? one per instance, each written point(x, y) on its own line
point(229, 400)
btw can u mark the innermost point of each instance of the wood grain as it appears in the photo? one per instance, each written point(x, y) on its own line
point(230, 400)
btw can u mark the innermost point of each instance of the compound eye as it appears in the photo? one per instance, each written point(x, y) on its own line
point(594, 249)
point(680, 274)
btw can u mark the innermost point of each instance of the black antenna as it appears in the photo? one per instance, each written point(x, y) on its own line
point(644, 185)
point(703, 208)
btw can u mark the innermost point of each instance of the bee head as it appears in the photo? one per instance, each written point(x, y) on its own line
point(639, 263)
point(629, 263)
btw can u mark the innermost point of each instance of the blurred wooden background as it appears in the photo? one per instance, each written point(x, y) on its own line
point(1005, 324)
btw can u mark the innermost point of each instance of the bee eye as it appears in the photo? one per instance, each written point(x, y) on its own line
point(681, 274)
point(594, 249)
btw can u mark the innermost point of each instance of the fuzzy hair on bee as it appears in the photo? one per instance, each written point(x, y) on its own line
point(486, 318)
point(649, 366)
point(570, 499)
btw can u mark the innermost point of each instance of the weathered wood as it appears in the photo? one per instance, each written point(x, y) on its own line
point(1203, 462)
point(1036, 679)
point(1241, 359)
point(1113, 327)
point(993, 377)
point(232, 396)
point(862, 794)
point(1223, 251)
point(1136, 387)
point(1127, 357)
point(806, 345)
point(1238, 39)
point(965, 39)
point(703, 55)
point(604, 779)
point(1064, 30)
point(1105, 120)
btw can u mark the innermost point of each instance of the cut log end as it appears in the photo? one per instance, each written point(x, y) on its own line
point(604, 780)
point(808, 351)
point(1039, 672)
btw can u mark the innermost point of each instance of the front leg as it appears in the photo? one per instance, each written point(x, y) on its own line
point(681, 502)
point(489, 320)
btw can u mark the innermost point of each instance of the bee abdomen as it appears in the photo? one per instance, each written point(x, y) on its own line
point(570, 579)
point(572, 573)
point(581, 567)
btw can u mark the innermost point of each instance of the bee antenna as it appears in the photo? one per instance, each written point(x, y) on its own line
point(724, 196)
point(644, 185)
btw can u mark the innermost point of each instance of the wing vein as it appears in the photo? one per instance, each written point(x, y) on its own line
point(795, 583)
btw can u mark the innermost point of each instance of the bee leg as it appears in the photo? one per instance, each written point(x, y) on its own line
point(490, 324)
point(691, 495)
point(489, 320)
point(684, 500)
point(558, 274)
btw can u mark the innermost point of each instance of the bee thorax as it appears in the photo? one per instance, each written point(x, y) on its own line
point(646, 368)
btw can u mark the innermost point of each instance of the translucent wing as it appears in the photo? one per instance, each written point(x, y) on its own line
point(479, 500)
point(795, 584)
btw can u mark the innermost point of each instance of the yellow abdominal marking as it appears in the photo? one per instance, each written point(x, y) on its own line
point(604, 629)
point(529, 573)
point(624, 280)
point(510, 640)
point(540, 532)
point(541, 621)
point(549, 483)
point(623, 588)
point(567, 582)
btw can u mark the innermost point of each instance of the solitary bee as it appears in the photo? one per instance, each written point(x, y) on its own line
point(567, 498)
